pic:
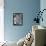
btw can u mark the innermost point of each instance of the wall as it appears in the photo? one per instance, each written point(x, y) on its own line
point(1, 20)
point(28, 8)
point(43, 6)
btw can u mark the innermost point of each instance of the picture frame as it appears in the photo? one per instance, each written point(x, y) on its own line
point(18, 19)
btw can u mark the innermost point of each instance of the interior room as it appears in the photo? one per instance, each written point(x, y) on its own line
point(22, 22)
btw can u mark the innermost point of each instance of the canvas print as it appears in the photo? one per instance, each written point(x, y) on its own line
point(17, 18)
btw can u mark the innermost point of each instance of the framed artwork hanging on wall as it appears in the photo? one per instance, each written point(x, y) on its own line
point(17, 19)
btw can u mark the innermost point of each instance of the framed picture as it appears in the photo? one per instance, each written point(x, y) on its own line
point(17, 18)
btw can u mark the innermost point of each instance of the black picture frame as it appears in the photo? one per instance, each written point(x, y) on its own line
point(18, 19)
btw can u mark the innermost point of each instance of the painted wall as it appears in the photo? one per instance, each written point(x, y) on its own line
point(43, 6)
point(1, 20)
point(28, 8)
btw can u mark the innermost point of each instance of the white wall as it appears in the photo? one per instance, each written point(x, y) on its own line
point(1, 20)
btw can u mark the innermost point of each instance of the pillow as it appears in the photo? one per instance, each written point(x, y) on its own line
point(21, 42)
point(28, 39)
point(11, 43)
